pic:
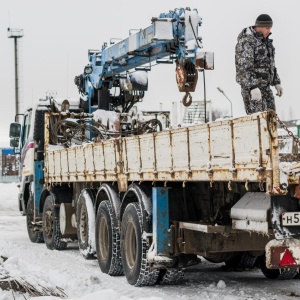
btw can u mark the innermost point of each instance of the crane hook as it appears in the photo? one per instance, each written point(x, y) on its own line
point(186, 102)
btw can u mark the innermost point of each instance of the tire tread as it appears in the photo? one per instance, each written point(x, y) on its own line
point(116, 266)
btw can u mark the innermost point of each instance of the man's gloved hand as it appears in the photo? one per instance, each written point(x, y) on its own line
point(256, 94)
point(279, 90)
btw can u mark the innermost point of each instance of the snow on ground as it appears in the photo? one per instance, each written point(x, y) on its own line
point(82, 279)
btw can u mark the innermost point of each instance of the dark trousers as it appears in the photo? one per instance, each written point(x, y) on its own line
point(253, 106)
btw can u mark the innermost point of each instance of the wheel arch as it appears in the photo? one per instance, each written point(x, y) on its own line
point(25, 195)
point(92, 194)
point(62, 194)
point(45, 193)
point(85, 219)
point(143, 194)
point(109, 192)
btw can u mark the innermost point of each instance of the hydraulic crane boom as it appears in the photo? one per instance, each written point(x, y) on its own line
point(172, 36)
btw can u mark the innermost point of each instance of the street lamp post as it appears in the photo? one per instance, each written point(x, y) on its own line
point(16, 33)
point(221, 91)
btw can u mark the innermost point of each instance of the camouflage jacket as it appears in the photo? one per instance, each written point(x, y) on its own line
point(254, 60)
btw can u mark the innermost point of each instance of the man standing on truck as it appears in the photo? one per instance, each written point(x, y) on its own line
point(255, 66)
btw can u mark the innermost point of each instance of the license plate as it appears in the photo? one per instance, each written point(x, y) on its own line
point(291, 218)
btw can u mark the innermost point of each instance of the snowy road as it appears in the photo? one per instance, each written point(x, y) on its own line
point(81, 279)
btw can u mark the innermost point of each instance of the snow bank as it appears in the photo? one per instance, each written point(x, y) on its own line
point(105, 295)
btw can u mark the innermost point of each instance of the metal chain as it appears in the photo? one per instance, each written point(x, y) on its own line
point(282, 125)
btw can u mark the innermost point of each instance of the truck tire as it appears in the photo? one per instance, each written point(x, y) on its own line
point(108, 241)
point(134, 248)
point(86, 225)
point(275, 273)
point(34, 236)
point(51, 229)
point(243, 260)
point(170, 277)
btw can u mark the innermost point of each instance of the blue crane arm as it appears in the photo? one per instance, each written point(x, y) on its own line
point(173, 35)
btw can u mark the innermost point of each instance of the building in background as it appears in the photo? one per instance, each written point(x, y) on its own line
point(9, 165)
point(197, 113)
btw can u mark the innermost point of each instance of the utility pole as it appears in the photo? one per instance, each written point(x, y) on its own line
point(16, 33)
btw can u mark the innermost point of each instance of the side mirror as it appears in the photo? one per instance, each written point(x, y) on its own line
point(14, 143)
point(15, 130)
point(205, 60)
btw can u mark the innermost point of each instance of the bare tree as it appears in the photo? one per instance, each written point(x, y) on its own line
point(218, 113)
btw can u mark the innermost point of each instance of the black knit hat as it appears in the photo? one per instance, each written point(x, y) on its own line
point(264, 20)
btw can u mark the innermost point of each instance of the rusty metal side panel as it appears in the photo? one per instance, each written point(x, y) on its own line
point(237, 150)
point(89, 160)
point(267, 141)
point(79, 161)
point(50, 159)
point(246, 145)
point(164, 155)
point(148, 161)
point(110, 160)
point(57, 167)
point(199, 148)
point(72, 164)
point(124, 155)
point(133, 156)
point(221, 151)
point(46, 169)
point(273, 182)
point(220, 140)
point(64, 164)
point(99, 161)
point(252, 144)
point(180, 144)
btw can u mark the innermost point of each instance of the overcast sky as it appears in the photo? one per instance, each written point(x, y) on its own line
point(58, 34)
